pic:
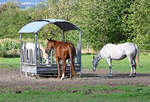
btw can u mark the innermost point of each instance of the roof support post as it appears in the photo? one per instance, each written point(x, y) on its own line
point(63, 36)
point(52, 55)
point(35, 54)
point(79, 49)
point(21, 52)
point(39, 55)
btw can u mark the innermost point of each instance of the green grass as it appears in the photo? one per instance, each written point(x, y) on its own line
point(85, 93)
point(10, 62)
point(122, 65)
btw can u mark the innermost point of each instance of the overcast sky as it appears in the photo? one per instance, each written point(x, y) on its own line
point(23, 0)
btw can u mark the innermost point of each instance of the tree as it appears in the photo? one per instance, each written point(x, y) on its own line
point(12, 19)
point(104, 20)
point(138, 23)
point(9, 5)
point(59, 9)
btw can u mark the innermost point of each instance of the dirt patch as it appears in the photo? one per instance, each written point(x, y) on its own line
point(12, 78)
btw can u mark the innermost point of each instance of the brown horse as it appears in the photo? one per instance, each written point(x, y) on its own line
point(63, 51)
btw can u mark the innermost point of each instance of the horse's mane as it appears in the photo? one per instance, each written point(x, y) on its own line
point(58, 41)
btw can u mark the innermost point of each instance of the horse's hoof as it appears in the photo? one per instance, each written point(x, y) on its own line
point(62, 78)
point(37, 76)
point(58, 77)
point(94, 70)
point(132, 75)
point(26, 74)
point(80, 75)
point(135, 74)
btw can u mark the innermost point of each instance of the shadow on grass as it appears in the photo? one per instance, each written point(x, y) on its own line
point(92, 75)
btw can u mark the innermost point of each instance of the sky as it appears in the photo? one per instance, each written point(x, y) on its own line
point(21, 0)
point(24, 3)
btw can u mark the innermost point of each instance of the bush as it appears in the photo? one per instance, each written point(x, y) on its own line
point(138, 23)
point(11, 47)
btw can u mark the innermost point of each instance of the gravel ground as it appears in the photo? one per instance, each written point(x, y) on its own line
point(12, 78)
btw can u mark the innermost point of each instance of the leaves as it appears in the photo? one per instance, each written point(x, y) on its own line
point(102, 21)
point(139, 22)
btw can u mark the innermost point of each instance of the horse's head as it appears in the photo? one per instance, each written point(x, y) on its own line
point(44, 54)
point(50, 45)
point(95, 62)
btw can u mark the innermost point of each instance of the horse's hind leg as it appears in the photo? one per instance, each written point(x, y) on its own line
point(73, 68)
point(134, 64)
point(63, 69)
point(131, 61)
point(58, 68)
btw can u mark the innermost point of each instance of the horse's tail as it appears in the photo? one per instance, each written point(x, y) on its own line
point(72, 54)
point(137, 55)
point(72, 50)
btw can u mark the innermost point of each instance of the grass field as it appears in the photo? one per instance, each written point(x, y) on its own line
point(122, 65)
point(10, 62)
point(86, 93)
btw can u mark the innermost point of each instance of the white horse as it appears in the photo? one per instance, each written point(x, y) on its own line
point(31, 46)
point(117, 52)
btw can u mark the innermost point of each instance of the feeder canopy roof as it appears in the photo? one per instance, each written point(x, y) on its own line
point(35, 26)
